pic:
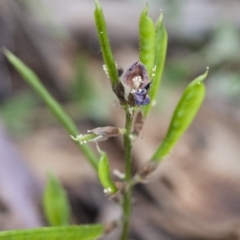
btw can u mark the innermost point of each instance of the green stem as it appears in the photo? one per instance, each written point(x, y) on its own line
point(126, 214)
point(127, 197)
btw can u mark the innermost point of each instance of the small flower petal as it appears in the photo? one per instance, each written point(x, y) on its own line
point(136, 76)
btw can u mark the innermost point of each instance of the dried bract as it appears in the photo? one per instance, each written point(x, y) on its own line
point(105, 131)
point(138, 123)
point(99, 134)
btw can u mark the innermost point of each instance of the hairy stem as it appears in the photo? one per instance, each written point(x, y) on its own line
point(128, 176)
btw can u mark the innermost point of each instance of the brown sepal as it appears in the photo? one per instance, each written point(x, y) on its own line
point(119, 90)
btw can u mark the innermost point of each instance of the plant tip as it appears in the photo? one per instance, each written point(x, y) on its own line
point(160, 16)
point(97, 4)
point(146, 8)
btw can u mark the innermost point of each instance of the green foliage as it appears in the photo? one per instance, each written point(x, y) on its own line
point(104, 43)
point(104, 174)
point(55, 203)
point(110, 67)
point(161, 39)
point(183, 116)
point(32, 79)
point(147, 40)
point(84, 232)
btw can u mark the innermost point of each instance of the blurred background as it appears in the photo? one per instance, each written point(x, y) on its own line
point(195, 193)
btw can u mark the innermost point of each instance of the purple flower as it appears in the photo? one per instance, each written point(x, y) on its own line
point(141, 97)
point(136, 78)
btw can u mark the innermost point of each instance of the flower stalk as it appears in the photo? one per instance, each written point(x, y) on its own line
point(127, 195)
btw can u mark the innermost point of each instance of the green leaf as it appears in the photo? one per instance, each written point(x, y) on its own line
point(104, 44)
point(32, 79)
point(161, 39)
point(55, 203)
point(84, 232)
point(147, 40)
point(183, 116)
point(104, 174)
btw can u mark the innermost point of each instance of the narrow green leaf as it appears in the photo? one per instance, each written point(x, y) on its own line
point(104, 174)
point(147, 40)
point(32, 79)
point(183, 116)
point(84, 232)
point(161, 39)
point(55, 203)
point(104, 43)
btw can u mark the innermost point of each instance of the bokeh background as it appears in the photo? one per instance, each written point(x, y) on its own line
point(195, 193)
